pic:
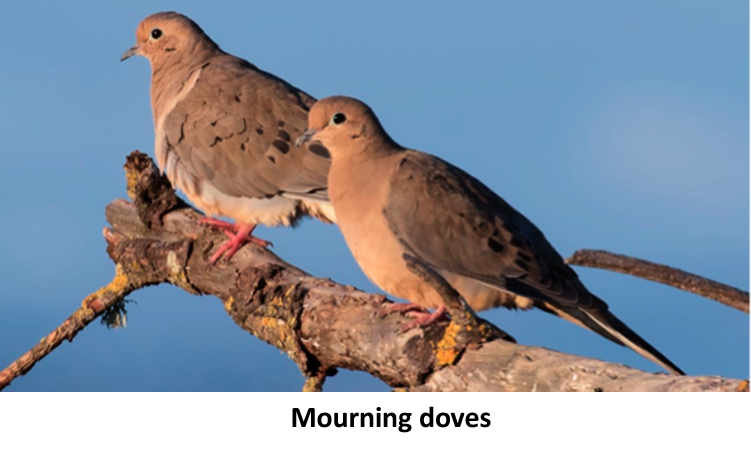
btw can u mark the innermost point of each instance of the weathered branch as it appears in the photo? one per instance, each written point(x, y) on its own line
point(93, 306)
point(322, 325)
point(728, 295)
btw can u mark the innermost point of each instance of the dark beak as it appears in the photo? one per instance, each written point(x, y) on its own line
point(305, 137)
point(130, 52)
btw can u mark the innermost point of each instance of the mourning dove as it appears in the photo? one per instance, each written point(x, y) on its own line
point(223, 131)
point(391, 202)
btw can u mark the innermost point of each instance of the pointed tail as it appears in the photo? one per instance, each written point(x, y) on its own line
point(604, 323)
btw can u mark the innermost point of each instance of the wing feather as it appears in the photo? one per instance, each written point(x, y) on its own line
point(235, 129)
point(455, 223)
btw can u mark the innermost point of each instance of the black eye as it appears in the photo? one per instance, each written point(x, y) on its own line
point(338, 118)
point(156, 33)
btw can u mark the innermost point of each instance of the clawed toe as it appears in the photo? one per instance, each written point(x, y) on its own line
point(426, 320)
point(239, 235)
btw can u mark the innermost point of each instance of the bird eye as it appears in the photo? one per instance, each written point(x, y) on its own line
point(156, 33)
point(338, 118)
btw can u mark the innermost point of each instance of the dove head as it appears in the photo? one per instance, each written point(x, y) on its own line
point(346, 127)
point(162, 37)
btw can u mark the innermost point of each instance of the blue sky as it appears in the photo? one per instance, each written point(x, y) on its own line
point(611, 125)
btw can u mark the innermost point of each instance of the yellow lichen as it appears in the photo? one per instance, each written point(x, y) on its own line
point(118, 284)
point(131, 178)
point(311, 385)
point(228, 304)
point(446, 351)
point(268, 321)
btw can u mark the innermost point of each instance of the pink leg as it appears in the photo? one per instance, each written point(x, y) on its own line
point(427, 319)
point(239, 234)
point(218, 224)
point(422, 317)
point(402, 308)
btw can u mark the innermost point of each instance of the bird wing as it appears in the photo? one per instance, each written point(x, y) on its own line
point(236, 129)
point(455, 223)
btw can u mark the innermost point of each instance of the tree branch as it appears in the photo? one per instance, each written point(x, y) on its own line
point(322, 325)
point(93, 306)
point(728, 295)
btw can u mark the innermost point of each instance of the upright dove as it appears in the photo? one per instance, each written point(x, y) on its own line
point(223, 133)
point(391, 201)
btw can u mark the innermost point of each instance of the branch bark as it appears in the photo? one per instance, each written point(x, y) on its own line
point(728, 295)
point(322, 325)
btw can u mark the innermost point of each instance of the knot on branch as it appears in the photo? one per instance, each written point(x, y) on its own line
point(270, 308)
point(150, 190)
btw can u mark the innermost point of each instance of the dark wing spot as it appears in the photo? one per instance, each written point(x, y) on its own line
point(242, 146)
point(522, 264)
point(524, 256)
point(319, 150)
point(216, 140)
point(170, 49)
point(281, 123)
point(283, 135)
point(272, 159)
point(259, 131)
point(516, 242)
point(281, 146)
point(495, 245)
point(237, 99)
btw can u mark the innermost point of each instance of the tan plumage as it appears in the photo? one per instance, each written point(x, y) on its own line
point(391, 201)
point(224, 129)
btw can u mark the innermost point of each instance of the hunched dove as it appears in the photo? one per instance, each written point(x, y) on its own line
point(390, 201)
point(223, 133)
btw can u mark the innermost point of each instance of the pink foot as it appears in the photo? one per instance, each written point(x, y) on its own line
point(402, 308)
point(422, 317)
point(239, 234)
point(426, 319)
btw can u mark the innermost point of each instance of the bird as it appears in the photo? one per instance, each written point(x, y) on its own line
point(223, 133)
point(394, 203)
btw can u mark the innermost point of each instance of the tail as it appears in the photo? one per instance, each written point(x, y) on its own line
point(604, 323)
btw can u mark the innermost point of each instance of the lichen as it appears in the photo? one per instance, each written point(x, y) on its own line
point(176, 274)
point(269, 322)
point(117, 286)
point(108, 300)
point(131, 179)
point(116, 316)
point(312, 384)
point(446, 350)
point(228, 304)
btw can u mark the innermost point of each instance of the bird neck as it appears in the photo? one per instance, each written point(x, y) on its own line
point(365, 172)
